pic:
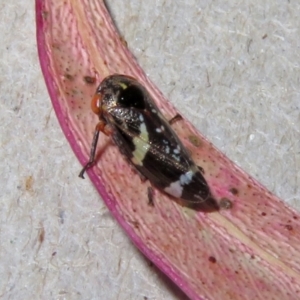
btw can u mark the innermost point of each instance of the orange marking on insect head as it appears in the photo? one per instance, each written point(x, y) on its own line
point(96, 104)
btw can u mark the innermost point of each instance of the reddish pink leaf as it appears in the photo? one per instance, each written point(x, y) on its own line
point(249, 251)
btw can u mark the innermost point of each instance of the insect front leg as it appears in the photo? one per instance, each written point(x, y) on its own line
point(101, 126)
point(201, 170)
point(150, 193)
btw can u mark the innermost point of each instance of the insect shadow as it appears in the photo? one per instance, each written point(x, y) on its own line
point(208, 206)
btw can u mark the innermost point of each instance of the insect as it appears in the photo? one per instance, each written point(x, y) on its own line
point(129, 115)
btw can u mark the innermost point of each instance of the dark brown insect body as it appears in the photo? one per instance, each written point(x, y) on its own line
point(128, 113)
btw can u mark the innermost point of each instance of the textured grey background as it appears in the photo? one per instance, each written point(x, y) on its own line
point(231, 67)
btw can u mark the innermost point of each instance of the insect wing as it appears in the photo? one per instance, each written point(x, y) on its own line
point(154, 149)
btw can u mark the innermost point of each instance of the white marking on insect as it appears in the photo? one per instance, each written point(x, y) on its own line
point(176, 151)
point(167, 150)
point(174, 189)
point(160, 129)
point(186, 178)
point(141, 117)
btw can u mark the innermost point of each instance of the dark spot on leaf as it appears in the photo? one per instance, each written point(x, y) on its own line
point(194, 140)
point(212, 259)
point(69, 76)
point(123, 41)
point(45, 14)
point(289, 227)
point(135, 224)
point(55, 46)
point(89, 79)
point(263, 214)
point(234, 191)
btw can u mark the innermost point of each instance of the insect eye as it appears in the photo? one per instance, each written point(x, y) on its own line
point(132, 97)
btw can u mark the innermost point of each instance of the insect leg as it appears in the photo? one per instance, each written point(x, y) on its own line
point(150, 196)
point(201, 170)
point(176, 118)
point(101, 126)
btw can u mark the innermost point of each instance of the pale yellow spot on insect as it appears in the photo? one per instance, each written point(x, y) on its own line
point(123, 85)
point(142, 146)
point(140, 151)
